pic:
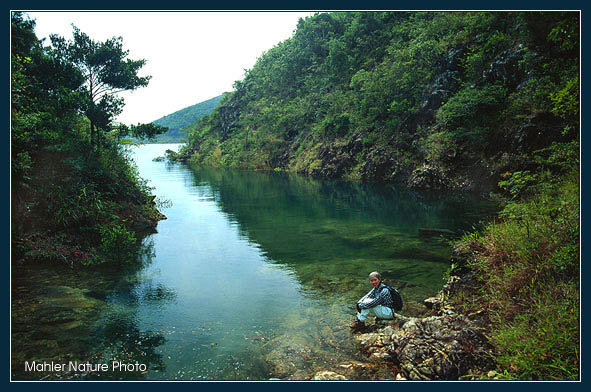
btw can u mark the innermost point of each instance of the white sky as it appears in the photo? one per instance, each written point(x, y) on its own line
point(191, 56)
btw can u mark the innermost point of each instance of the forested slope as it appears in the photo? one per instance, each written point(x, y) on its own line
point(75, 196)
point(430, 99)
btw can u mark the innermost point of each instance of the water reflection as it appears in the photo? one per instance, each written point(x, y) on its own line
point(252, 276)
point(84, 316)
point(333, 233)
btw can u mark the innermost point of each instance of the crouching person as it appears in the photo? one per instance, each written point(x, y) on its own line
point(378, 301)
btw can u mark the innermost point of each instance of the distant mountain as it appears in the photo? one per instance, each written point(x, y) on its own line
point(178, 120)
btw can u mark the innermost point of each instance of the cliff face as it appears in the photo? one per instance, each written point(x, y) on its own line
point(431, 100)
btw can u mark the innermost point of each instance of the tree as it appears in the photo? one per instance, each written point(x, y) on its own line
point(140, 131)
point(106, 71)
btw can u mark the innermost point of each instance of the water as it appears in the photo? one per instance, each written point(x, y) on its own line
point(252, 276)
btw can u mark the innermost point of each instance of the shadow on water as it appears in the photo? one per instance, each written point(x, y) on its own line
point(76, 317)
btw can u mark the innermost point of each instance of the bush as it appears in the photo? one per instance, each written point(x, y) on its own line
point(528, 266)
point(118, 245)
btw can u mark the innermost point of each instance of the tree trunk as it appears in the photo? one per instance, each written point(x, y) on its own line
point(92, 141)
point(98, 140)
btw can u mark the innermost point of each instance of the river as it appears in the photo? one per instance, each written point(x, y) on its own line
point(253, 275)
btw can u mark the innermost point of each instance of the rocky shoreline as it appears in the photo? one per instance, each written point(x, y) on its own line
point(444, 345)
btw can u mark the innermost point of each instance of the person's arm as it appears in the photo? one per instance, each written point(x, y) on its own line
point(376, 301)
point(365, 296)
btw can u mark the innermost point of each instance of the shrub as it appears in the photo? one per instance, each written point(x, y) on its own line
point(118, 245)
point(528, 266)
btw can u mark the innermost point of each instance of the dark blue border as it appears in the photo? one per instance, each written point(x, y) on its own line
point(303, 5)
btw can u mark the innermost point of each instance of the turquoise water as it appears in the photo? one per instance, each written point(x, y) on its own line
point(253, 275)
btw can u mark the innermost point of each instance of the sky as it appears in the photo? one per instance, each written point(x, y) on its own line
point(191, 56)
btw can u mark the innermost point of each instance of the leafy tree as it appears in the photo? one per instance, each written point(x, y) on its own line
point(63, 199)
point(106, 71)
point(147, 131)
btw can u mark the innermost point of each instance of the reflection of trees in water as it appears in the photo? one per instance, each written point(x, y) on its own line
point(238, 194)
point(121, 338)
point(330, 231)
point(86, 315)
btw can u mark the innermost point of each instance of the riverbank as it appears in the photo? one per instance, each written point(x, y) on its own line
point(78, 210)
point(447, 345)
point(438, 343)
point(510, 307)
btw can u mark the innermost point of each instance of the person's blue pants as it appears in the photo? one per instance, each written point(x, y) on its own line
point(379, 311)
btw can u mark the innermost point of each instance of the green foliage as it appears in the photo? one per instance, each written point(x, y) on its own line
point(471, 116)
point(558, 159)
point(147, 131)
point(528, 266)
point(566, 100)
point(56, 248)
point(118, 245)
point(385, 91)
point(62, 193)
point(550, 351)
point(519, 183)
point(106, 71)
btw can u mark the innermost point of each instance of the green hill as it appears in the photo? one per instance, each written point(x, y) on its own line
point(178, 120)
point(477, 101)
point(427, 99)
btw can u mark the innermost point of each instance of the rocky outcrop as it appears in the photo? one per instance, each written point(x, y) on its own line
point(336, 159)
point(442, 347)
point(505, 68)
point(446, 345)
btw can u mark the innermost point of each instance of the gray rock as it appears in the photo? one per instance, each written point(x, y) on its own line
point(446, 346)
point(432, 303)
point(326, 375)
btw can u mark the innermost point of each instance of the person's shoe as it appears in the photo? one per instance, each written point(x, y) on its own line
point(357, 324)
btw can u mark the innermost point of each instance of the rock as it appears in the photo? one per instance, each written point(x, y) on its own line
point(369, 339)
point(506, 68)
point(432, 303)
point(380, 356)
point(328, 376)
point(287, 357)
point(428, 177)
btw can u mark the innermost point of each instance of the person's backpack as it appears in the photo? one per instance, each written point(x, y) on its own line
point(396, 297)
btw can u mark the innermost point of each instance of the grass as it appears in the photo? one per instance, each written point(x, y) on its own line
point(528, 270)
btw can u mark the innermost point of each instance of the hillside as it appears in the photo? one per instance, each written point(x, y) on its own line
point(486, 102)
point(178, 120)
point(432, 100)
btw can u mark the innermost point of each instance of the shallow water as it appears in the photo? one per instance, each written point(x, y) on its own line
point(252, 276)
